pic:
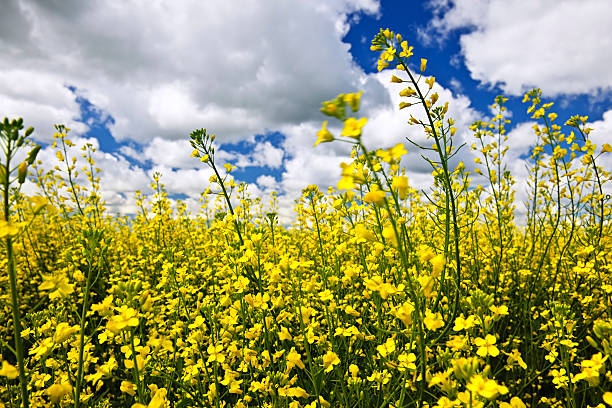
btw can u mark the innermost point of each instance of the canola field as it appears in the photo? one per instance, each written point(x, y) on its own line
point(379, 295)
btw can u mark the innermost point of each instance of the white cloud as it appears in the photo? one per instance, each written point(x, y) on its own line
point(267, 182)
point(555, 45)
point(41, 99)
point(165, 69)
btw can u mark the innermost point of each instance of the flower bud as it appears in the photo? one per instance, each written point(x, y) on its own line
point(32, 155)
point(22, 172)
point(423, 64)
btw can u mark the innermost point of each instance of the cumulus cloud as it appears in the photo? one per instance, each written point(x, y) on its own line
point(170, 67)
point(161, 71)
point(555, 45)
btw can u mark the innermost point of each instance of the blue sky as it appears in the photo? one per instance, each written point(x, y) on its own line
point(136, 81)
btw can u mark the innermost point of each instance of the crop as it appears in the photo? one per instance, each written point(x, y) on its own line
point(378, 295)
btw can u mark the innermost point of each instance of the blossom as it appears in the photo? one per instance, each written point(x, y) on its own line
point(10, 229)
point(330, 359)
point(487, 346)
point(433, 321)
point(294, 359)
point(486, 388)
point(324, 136)
point(400, 184)
point(58, 286)
point(57, 391)
point(423, 64)
point(462, 323)
point(215, 353)
point(386, 348)
point(376, 197)
point(63, 332)
point(127, 317)
point(352, 127)
point(9, 371)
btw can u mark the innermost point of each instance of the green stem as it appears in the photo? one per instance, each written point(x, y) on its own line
point(13, 282)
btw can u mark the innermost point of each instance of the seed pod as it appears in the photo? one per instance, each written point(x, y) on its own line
point(32, 155)
point(22, 172)
point(2, 174)
point(29, 131)
point(20, 141)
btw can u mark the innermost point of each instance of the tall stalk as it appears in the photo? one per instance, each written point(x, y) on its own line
point(11, 141)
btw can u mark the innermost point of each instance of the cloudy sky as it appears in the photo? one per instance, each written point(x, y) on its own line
point(136, 77)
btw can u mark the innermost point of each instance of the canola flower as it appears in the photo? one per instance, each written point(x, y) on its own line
point(377, 295)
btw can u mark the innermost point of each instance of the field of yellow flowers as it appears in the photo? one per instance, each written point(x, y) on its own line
point(377, 296)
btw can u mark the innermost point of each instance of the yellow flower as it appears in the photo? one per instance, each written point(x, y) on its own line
point(324, 136)
point(427, 284)
point(437, 264)
point(406, 362)
point(215, 353)
point(430, 81)
point(515, 357)
point(353, 100)
point(462, 323)
point(104, 308)
point(284, 334)
point(487, 346)
point(387, 348)
point(9, 371)
point(297, 392)
point(376, 197)
point(294, 359)
point(159, 399)
point(128, 387)
point(406, 51)
point(404, 313)
point(515, 402)
point(433, 321)
point(400, 183)
point(407, 92)
point(346, 183)
point(9, 229)
point(330, 359)
point(425, 253)
point(63, 332)
point(486, 388)
point(423, 64)
point(364, 234)
point(57, 391)
point(58, 286)
point(393, 154)
point(607, 398)
point(499, 310)
point(127, 317)
point(352, 127)
point(22, 172)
